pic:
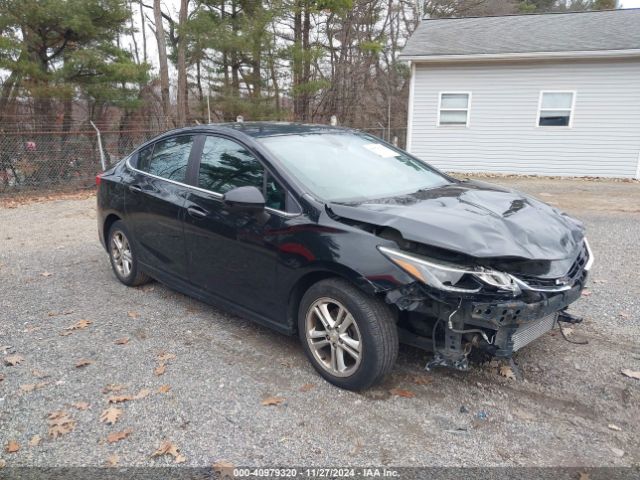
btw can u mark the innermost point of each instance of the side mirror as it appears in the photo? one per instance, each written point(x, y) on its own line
point(244, 198)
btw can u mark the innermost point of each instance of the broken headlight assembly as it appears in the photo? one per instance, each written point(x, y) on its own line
point(448, 277)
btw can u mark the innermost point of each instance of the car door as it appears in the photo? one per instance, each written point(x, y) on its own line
point(154, 204)
point(232, 254)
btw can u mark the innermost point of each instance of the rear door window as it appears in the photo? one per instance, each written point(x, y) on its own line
point(169, 158)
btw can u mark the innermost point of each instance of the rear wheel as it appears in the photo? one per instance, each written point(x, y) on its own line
point(350, 338)
point(122, 255)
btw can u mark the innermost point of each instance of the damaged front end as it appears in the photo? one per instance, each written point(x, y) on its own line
point(451, 310)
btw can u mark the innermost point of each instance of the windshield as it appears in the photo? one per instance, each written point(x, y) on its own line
point(351, 167)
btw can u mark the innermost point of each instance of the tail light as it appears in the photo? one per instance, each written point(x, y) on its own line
point(98, 179)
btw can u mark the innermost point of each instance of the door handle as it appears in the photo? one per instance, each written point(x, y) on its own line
point(197, 212)
point(135, 188)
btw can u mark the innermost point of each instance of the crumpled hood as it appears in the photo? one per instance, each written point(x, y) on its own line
point(476, 219)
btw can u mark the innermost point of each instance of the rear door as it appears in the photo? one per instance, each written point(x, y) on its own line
point(233, 254)
point(154, 204)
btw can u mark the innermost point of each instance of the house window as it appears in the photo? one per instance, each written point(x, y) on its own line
point(556, 109)
point(454, 109)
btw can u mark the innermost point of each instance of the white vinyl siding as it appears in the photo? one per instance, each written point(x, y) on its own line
point(504, 136)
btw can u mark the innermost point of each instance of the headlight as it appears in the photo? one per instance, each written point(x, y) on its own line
point(449, 277)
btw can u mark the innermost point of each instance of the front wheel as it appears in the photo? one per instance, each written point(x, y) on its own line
point(350, 338)
point(122, 256)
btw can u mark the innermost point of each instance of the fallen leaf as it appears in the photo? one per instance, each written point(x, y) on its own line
point(112, 460)
point(60, 423)
point(80, 405)
point(35, 441)
point(39, 373)
point(168, 448)
point(122, 341)
point(117, 436)
point(80, 325)
point(224, 468)
point(13, 360)
point(306, 387)
point(119, 398)
point(631, 374)
point(617, 452)
point(614, 427)
point(402, 393)
point(422, 380)
point(133, 315)
point(272, 401)
point(159, 370)
point(143, 393)
point(46, 274)
point(30, 387)
point(507, 372)
point(165, 357)
point(110, 415)
point(164, 388)
point(66, 333)
point(586, 293)
point(625, 315)
point(112, 388)
point(12, 446)
point(584, 476)
point(83, 363)
point(522, 415)
point(568, 331)
point(3, 463)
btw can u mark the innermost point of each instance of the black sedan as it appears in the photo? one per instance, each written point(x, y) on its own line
point(344, 240)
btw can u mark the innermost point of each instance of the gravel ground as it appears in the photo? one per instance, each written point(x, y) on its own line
point(573, 408)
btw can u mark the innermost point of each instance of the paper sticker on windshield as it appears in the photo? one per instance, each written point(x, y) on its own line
point(381, 150)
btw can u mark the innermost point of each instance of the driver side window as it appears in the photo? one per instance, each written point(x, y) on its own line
point(225, 165)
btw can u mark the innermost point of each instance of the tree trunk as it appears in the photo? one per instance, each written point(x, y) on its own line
point(143, 29)
point(306, 70)
point(162, 60)
point(296, 61)
point(182, 64)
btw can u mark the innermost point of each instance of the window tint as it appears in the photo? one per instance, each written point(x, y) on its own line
point(275, 195)
point(226, 164)
point(454, 109)
point(143, 158)
point(556, 109)
point(169, 159)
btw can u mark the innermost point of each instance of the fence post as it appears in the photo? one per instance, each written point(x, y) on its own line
point(102, 162)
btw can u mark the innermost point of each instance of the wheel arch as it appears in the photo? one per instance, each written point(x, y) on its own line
point(311, 278)
point(106, 226)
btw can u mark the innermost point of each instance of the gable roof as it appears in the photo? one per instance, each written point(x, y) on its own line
point(554, 34)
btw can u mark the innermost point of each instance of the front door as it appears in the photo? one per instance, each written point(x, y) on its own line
point(231, 254)
point(154, 204)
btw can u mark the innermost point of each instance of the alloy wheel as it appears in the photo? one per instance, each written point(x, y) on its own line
point(121, 254)
point(333, 337)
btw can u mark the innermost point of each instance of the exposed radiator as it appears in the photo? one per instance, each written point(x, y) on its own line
point(532, 330)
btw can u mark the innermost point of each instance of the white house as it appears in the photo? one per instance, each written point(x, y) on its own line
point(552, 94)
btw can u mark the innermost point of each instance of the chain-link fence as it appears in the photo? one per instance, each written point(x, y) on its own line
point(54, 160)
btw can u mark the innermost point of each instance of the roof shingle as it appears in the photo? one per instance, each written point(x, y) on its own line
point(558, 32)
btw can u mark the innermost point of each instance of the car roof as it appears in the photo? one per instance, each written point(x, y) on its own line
point(272, 129)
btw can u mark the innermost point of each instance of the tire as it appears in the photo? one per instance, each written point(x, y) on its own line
point(127, 271)
point(367, 342)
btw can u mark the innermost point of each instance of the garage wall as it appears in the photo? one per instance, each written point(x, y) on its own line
point(503, 137)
